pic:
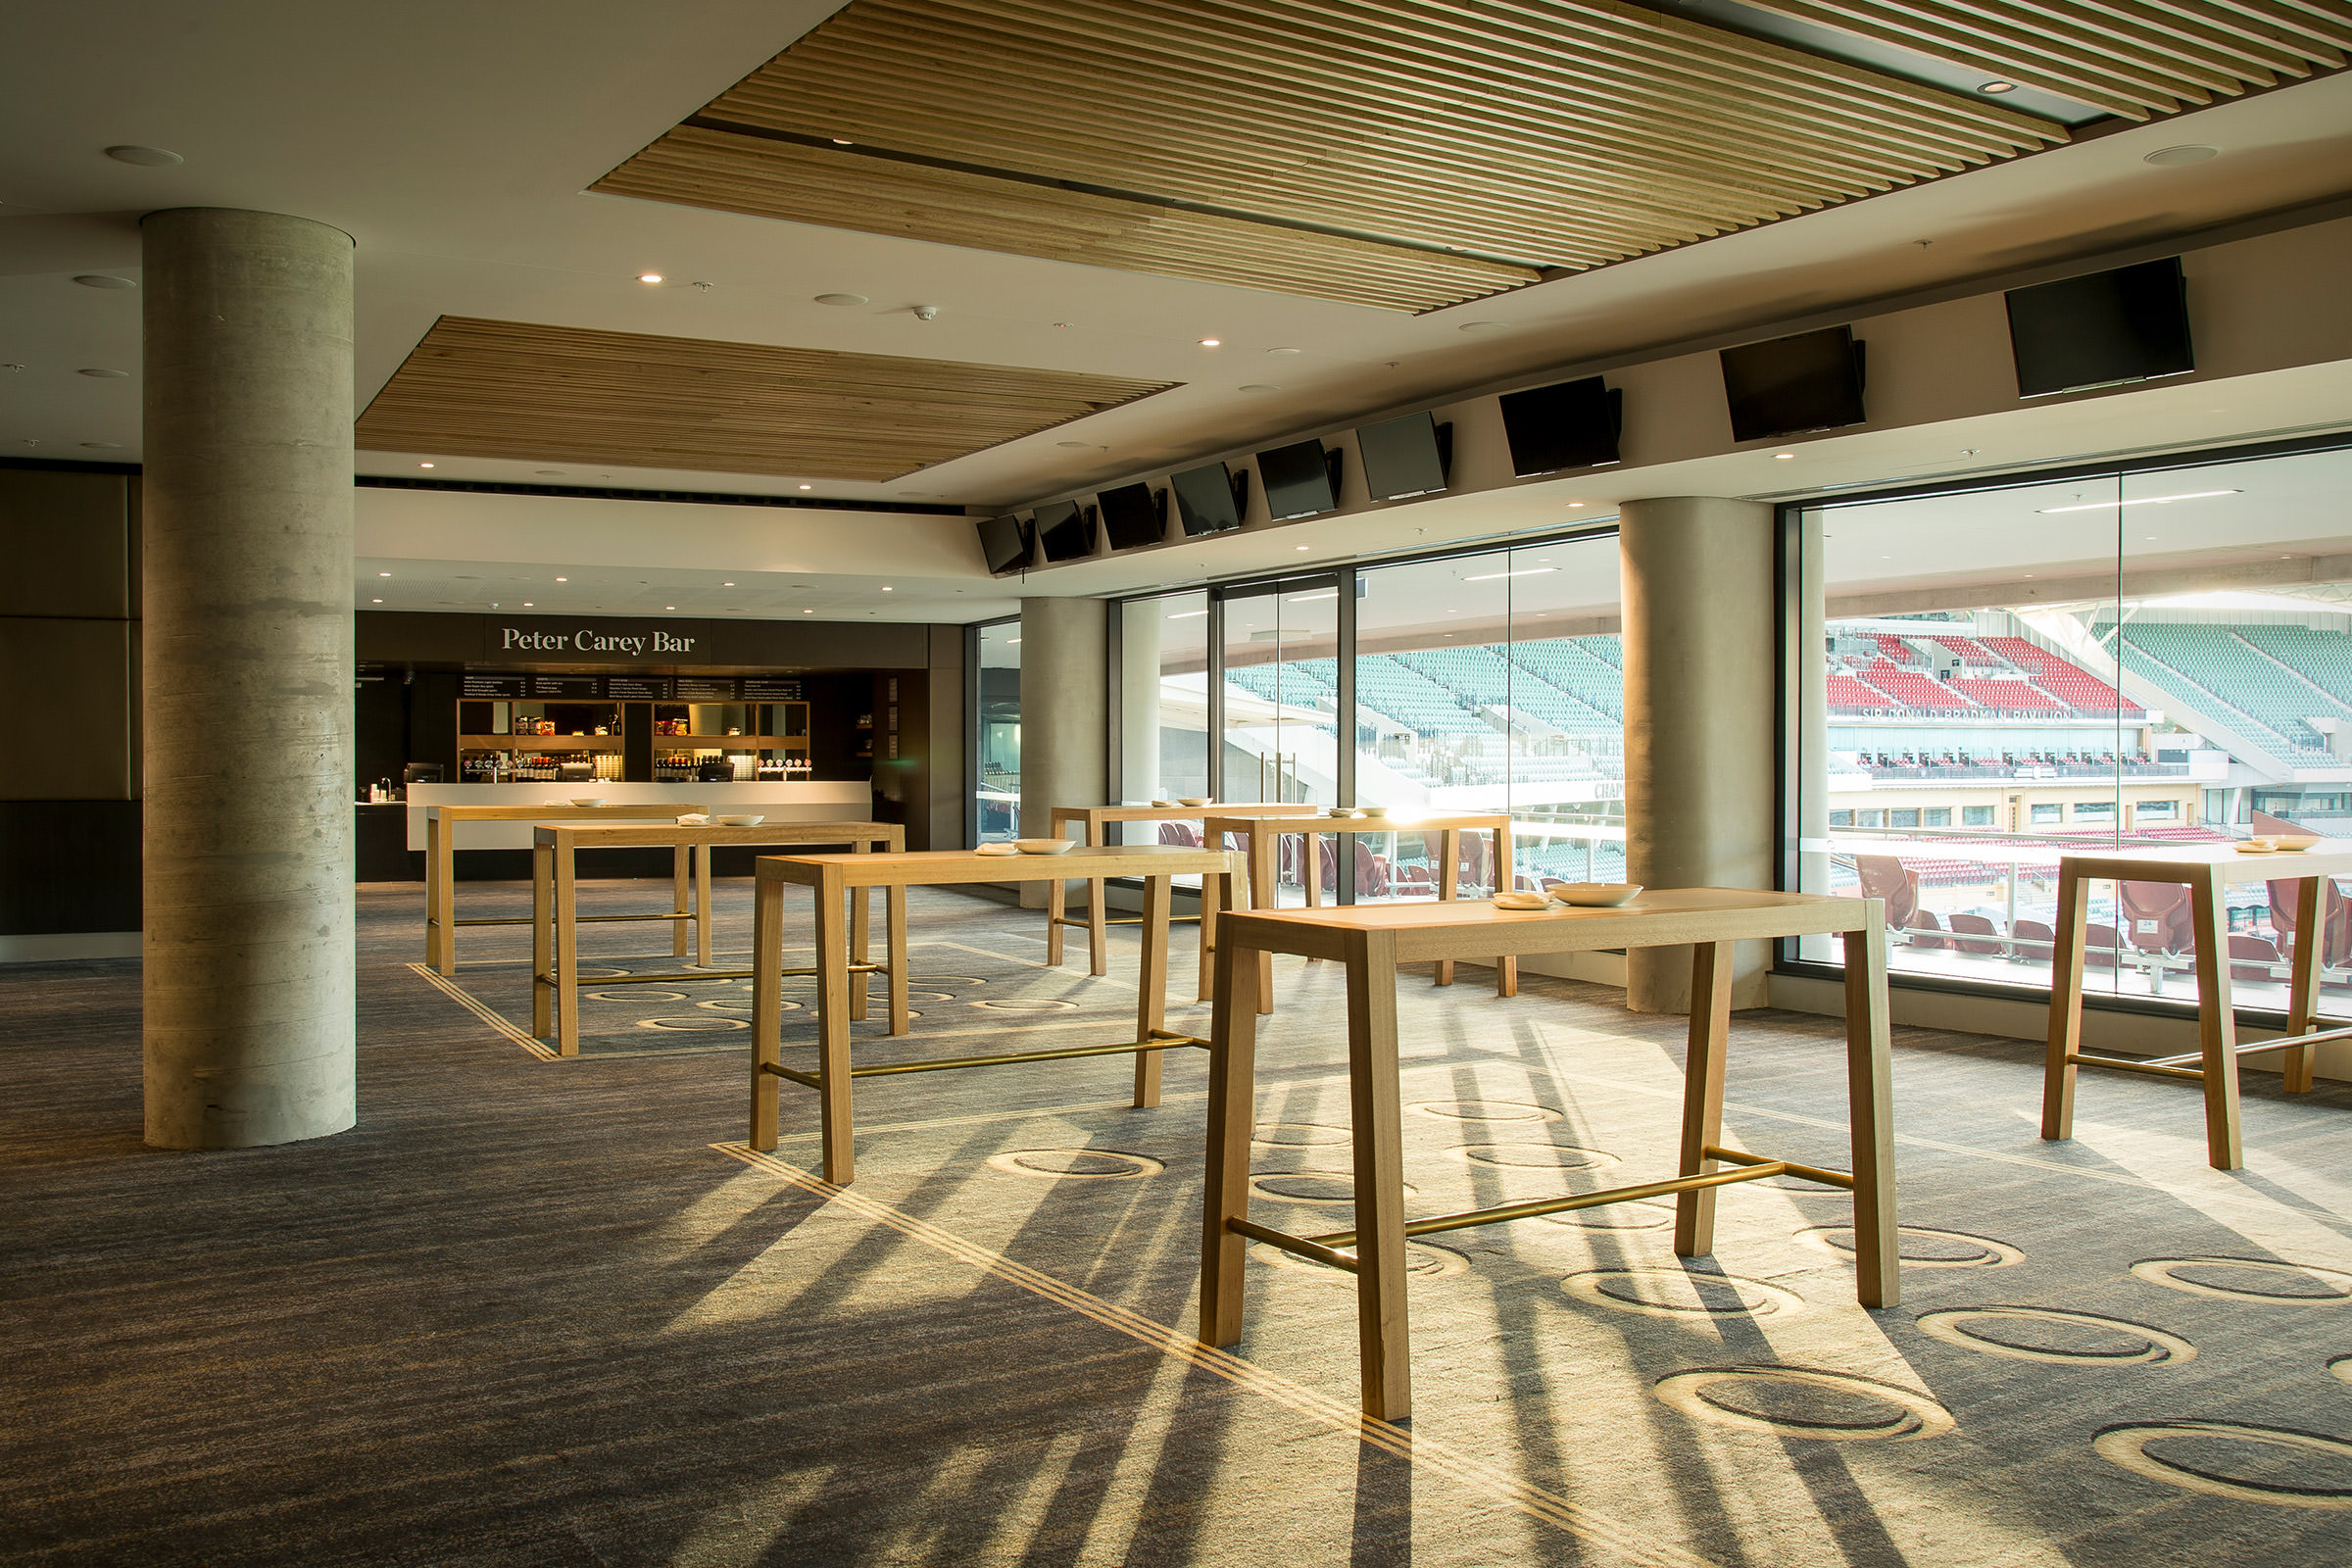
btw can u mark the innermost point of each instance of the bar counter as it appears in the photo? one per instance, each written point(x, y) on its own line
point(779, 800)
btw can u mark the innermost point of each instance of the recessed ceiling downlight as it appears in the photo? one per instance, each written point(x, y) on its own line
point(1483, 326)
point(1285, 350)
point(649, 277)
point(2175, 156)
point(107, 375)
point(840, 299)
point(1996, 85)
point(144, 157)
point(1260, 386)
point(102, 280)
point(103, 445)
point(1075, 446)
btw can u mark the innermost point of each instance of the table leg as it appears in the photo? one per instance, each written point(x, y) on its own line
point(2066, 1007)
point(1702, 1093)
point(1055, 918)
point(1152, 984)
point(445, 905)
point(2217, 1024)
point(1870, 1111)
point(833, 993)
point(568, 950)
point(542, 940)
point(1098, 917)
point(767, 1005)
point(894, 939)
point(1265, 892)
point(2303, 983)
point(702, 903)
point(1310, 867)
point(1374, 1093)
point(1506, 969)
point(1232, 1119)
point(1450, 882)
point(433, 927)
point(860, 945)
point(682, 874)
point(1216, 893)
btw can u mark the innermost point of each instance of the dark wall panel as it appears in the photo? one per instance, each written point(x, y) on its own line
point(69, 866)
point(65, 544)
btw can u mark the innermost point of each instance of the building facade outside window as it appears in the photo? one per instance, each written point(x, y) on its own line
point(997, 796)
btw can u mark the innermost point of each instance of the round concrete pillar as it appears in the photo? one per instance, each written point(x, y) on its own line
point(247, 672)
point(1699, 718)
point(1066, 743)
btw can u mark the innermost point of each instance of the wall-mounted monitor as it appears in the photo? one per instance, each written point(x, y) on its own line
point(1570, 424)
point(1405, 457)
point(1298, 480)
point(1130, 516)
point(1789, 385)
point(1005, 542)
point(1065, 530)
point(2130, 324)
point(1209, 499)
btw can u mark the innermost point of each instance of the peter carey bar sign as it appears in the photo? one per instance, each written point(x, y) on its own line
point(634, 645)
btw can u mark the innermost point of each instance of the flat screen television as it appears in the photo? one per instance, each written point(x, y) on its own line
point(1065, 530)
point(1403, 457)
point(1005, 541)
point(1569, 424)
point(2130, 324)
point(1206, 499)
point(1297, 480)
point(1130, 516)
point(1789, 385)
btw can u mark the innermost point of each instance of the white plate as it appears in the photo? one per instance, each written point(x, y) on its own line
point(1522, 902)
point(1045, 846)
point(694, 819)
point(1193, 800)
point(1000, 850)
point(591, 801)
point(741, 822)
point(1596, 894)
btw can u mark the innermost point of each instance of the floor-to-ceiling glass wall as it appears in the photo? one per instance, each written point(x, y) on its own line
point(1280, 662)
point(2141, 656)
point(998, 794)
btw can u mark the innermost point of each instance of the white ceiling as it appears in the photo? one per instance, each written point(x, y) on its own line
point(454, 142)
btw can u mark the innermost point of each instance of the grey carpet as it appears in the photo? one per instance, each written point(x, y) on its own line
point(528, 1313)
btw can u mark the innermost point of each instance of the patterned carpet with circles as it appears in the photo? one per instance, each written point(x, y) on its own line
point(552, 1311)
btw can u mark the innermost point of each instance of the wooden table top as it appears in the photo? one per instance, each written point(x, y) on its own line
point(935, 866)
point(1475, 928)
point(555, 810)
point(1319, 822)
point(1177, 813)
point(2328, 857)
point(624, 835)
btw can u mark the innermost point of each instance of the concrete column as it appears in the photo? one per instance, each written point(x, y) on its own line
point(1699, 658)
point(1138, 701)
point(1066, 689)
point(247, 678)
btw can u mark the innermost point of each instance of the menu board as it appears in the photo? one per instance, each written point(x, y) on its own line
point(768, 689)
point(495, 687)
point(567, 686)
point(696, 689)
point(639, 688)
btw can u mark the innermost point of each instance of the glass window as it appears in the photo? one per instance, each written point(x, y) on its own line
point(999, 800)
point(1937, 817)
point(1976, 816)
point(1842, 819)
point(1870, 819)
point(2159, 811)
point(2094, 811)
point(1903, 817)
point(1163, 713)
point(2048, 812)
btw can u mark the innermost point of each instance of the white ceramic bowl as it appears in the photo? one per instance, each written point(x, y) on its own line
point(1596, 894)
point(587, 800)
point(1376, 810)
point(1339, 812)
point(1191, 800)
point(740, 821)
point(1045, 846)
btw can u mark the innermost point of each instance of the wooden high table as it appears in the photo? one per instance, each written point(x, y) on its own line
point(1093, 820)
point(2206, 869)
point(829, 875)
point(556, 918)
point(441, 920)
point(1372, 940)
point(1258, 848)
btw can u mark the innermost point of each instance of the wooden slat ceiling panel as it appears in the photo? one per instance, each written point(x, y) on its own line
point(512, 389)
point(2135, 58)
point(1546, 133)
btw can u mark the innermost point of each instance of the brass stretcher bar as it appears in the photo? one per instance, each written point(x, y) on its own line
point(1372, 940)
point(1093, 822)
point(2207, 870)
point(441, 825)
point(555, 903)
point(829, 876)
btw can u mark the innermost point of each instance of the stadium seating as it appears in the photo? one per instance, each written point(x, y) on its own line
point(2323, 657)
point(1923, 693)
point(2016, 696)
point(2201, 662)
point(1483, 677)
point(2084, 692)
point(1849, 691)
point(1588, 672)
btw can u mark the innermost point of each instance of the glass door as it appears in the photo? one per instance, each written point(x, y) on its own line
point(1280, 691)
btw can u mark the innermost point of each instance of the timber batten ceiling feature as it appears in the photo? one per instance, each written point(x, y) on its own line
point(1407, 154)
point(512, 389)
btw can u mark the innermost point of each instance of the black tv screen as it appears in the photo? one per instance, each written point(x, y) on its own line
point(1812, 381)
point(1402, 458)
point(1205, 501)
point(2130, 324)
point(1066, 533)
point(1570, 424)
point(1130, 515)
point(1297, 480)
point(1005, 543)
